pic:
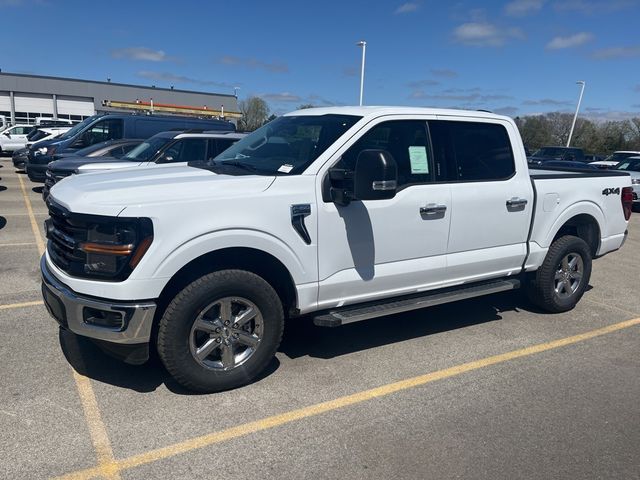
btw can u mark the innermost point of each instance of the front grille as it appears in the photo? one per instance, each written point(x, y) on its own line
point(64, 235)
point(54, 177)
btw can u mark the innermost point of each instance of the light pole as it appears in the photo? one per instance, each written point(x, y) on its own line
point(362, 44)
point(575, 117)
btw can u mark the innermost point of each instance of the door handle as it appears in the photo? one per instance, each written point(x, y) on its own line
point(432, 209)
point(516, 202)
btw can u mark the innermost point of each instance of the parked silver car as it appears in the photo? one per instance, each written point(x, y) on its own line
point(632, 165)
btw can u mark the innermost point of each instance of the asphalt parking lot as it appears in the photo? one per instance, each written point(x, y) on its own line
point(487, 388)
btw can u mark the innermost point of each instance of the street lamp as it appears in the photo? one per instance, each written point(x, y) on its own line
point(575, 117)
point(362, 44)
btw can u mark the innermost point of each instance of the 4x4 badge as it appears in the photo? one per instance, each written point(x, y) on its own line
point(611, 191)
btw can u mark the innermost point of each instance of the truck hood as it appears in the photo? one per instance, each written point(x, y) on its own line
point(71, 162)
point(109, 193)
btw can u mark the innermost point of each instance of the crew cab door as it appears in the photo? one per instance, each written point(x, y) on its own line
point(491, 192)
point(15, 138)
point(379, 248)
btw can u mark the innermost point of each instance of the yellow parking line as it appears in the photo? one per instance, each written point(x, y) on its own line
point(21, 305)
point(317, 409)
point(32, 218)
point(20, 244)
point(97, 429)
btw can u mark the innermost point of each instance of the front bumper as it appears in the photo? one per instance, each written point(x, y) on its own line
point(71, 310)
point(37, 172)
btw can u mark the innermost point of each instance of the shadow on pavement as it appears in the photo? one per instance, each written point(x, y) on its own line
point(89, 360)
point(2, 188)
point(38, 189)
point(3, 222)
point(302, 338)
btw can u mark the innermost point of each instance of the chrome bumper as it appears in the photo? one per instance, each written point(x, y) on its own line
point(68, 309)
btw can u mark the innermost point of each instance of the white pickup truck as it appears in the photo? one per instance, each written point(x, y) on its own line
point(343, 214)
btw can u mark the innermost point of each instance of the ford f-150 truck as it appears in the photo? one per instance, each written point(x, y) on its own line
point(343, 214)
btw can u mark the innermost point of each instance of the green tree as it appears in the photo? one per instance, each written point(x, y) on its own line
point(255, 113)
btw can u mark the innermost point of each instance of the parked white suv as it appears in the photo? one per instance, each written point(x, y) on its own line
point(14, 137)
point(344, 213)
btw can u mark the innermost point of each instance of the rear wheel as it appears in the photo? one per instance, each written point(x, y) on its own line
point(561, 280)
point(221, 331)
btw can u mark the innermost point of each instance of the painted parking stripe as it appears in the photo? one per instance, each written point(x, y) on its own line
point(10, 306)
point(342, 402)
point(97, 428)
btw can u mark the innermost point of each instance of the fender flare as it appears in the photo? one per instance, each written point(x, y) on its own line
point(238, 238)
point(580, 208)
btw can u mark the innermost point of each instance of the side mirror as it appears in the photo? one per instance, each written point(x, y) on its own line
point(375, 176)
point(6, 134)
point(165, 159)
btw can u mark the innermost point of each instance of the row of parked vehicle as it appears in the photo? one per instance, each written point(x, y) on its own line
point(106, 142)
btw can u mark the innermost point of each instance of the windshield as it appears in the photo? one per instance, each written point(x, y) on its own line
point(286, 145)
point(147, 149)
point(629, 165)
point(619, 156)
point(75, 129)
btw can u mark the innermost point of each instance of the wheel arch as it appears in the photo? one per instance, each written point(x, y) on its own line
point(250, 259)
point(582, 225)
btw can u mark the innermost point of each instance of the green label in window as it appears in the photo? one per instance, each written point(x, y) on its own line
point(418, 159)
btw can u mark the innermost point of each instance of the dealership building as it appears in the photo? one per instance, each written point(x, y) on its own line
point(23, 98)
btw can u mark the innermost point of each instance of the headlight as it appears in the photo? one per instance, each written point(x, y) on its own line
point(92, 246)
point(41, 151)
point(635, 181)
point(113, 249)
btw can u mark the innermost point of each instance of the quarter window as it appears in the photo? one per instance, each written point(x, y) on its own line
point(470, 151)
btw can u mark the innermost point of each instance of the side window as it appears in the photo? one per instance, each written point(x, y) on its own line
point(470, 151)
point(187, 150)
point(103, 131)
point(222, 144)
point(22, 130)
point(117, 152)
point(405, 140)
point(127, 148)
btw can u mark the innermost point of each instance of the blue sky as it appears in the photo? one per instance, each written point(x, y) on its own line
point(515, 57)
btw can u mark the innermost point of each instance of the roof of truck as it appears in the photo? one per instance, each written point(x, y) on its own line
point(376, 111)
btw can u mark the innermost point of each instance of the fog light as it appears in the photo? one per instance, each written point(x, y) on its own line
point(103, 318)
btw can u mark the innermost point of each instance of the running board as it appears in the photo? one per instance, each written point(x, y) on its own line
point(357, 313)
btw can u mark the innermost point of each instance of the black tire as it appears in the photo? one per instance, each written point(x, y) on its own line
point(176, 338)
point(542, 289)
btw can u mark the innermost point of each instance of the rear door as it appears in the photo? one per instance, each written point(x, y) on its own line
point(491, 200)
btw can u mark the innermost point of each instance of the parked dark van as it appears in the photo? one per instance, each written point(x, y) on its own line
point(100, 128)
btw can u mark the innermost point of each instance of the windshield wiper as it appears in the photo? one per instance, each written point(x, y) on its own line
point(242, 165)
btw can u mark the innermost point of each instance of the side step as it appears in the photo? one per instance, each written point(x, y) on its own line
point(365, 311)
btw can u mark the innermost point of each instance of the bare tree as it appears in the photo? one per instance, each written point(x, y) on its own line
point(255, 112)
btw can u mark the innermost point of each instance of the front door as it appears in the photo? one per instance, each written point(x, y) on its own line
point(379, 248)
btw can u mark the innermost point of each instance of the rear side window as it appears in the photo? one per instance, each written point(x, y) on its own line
point(470, 151)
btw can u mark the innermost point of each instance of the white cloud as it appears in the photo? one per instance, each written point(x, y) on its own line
point(254, 63)
point(589, 7)
point(520, 8)
point(282, 97)
point(407, 8)
point(173, 78)
point(617, 52)
point(571, 41)
point(484, 34)
point(548, 101)
point(141, 53)
point(444, 73)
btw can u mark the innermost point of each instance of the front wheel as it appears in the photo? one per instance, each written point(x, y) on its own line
point(563, 277)
point(221, 331)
